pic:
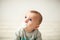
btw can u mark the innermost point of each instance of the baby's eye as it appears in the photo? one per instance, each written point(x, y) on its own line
point(25, 17)
point(30, 19)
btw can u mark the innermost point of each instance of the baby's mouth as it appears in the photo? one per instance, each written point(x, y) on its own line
point(24, 25)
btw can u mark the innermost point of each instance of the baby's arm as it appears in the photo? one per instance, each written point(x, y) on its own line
point(17, 35)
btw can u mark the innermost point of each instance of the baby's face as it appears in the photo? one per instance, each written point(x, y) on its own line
point(32, 20)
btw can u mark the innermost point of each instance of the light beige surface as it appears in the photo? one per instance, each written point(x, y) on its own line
point(12, 13)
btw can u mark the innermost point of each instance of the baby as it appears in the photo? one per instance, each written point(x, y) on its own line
point(32, 19)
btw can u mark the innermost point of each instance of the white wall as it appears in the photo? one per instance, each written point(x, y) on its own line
point(12, 13)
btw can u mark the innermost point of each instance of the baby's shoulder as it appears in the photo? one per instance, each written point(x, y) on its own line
point(37, 32)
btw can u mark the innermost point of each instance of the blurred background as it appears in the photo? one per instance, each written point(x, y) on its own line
point(12, 13)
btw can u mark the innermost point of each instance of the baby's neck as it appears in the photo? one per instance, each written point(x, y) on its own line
point(27, 30)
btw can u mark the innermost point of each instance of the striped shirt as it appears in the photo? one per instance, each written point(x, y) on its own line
point(23, 35)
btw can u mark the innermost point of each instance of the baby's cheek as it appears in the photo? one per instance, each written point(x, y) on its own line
point(29, 23)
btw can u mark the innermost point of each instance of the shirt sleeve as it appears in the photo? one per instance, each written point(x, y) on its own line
point(39, 36)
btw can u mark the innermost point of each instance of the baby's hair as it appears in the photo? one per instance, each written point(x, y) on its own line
point(36, 12)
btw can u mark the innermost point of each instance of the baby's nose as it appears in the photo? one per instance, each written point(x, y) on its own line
point(26, 20)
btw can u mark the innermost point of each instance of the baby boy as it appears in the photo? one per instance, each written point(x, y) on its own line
point(32, 19)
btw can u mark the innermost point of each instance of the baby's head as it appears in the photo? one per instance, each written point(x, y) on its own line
point(33, 19)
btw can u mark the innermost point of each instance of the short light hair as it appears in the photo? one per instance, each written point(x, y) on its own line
point(34, 11)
